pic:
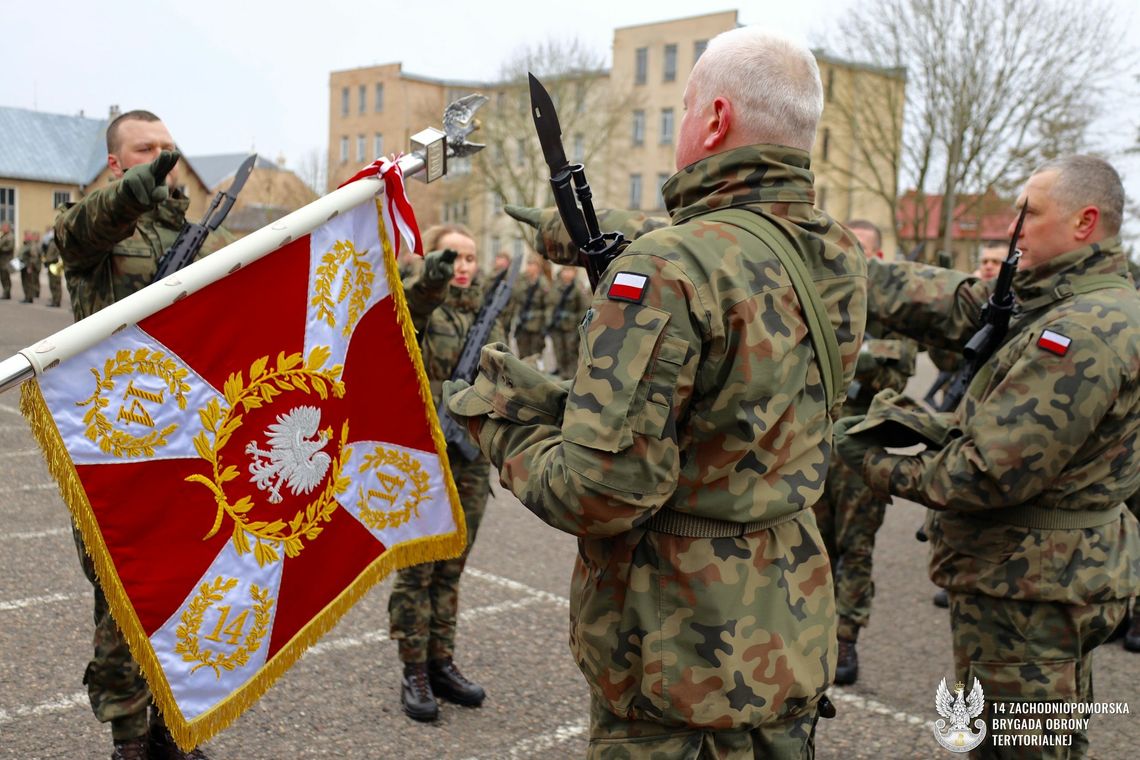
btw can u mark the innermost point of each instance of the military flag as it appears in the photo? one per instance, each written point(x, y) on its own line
point(246, 461)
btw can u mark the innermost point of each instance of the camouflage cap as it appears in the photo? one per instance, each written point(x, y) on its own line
point(898, 421)
point(506, 387)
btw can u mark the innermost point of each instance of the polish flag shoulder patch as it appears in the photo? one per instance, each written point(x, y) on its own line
point(1054, 342)
point(628, 286)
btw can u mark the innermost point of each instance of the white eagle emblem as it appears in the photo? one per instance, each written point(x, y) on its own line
point(294, 457)
point(959, 710)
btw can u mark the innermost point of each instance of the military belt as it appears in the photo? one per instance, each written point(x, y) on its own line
point(666, 520)
point(1042, 518)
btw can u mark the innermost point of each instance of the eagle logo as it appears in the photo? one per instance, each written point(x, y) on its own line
point(294, 458)
point(959, 710)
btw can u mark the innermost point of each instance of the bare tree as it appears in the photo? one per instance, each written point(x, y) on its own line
point(993, 88)
point(313, 170)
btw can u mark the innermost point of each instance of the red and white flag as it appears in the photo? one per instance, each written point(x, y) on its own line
point(246, 462)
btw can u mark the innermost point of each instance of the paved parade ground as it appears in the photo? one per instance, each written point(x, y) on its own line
point(342, 699)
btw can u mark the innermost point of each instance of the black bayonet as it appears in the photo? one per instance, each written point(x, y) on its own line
point(192, 236)
point(572, 193)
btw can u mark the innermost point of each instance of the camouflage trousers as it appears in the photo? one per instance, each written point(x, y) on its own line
point(614, 738)
point(6, 275)
point(530, 343)
point(30, 280)
point(55, 285)
point(424, 606)
point(115, 685)
point(849, 516)
point(565, 351)
point(1029, 652)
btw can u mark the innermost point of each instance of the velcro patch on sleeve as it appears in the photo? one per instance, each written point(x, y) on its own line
point(628, 286)
point(1054, 342)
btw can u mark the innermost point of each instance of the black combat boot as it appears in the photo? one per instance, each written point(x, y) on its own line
point(449, 683)
point(162, 746)
point(131, 749)
point(847, 666)
point(941, 599)
point(416, 694)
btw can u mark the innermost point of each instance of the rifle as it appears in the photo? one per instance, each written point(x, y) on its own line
point(596, 249)
point(561, 307)
point(995, 323)
point(468, 364)
point(192, 236)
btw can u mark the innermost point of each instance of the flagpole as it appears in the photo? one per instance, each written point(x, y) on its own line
point(56, 348)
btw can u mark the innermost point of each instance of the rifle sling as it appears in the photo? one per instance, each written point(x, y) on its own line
point(820, 329)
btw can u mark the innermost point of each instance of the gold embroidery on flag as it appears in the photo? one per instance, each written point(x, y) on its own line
point(208, 595)
point(219, 422)
point(135, 403)
point(358, 279)
point(391, 488)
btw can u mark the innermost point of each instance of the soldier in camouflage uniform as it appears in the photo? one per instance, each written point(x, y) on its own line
point(507, 315)
point(533, 309)
point(50, 257)
point(424, 606)
point(110, 243)
point(694, 438)
point(7, 249)
point(849, 515)
point(30, 257)
point(1030, 536)
point(570, 303)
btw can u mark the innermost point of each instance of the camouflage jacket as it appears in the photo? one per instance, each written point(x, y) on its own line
point(111, 245)
point(533, 305)
point(30, 253)
point(702, 395)
point(443, 315)
point(1050, 423)
point(886, 361)
point(568, 305)
point(7, 245)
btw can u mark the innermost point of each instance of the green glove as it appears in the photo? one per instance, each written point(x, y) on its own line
point(852, 448)
point(865, 362)
point(525, 214)
point(439, 266)
point(450, 388)
point(146, 183)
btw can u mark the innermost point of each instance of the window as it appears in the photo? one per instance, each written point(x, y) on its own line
point(635, 191)
point(498, 207)
point(517, 246)
point(8, 205)
point(344, 149)
point(699, 49)
point(830, 82)
point(666, 126)
point(579, 151)
point(362, 94)
point(60, 197)
point(377, 145)
point(496, 242)
point(579, 97)
point(825, 147)
point(378, 106)
point(639, 127)
point(670, 63)
point(344, 101)
point(520, 151)
point(662, 178)
point(821, 198)
point(360, 155)
point(641, 65)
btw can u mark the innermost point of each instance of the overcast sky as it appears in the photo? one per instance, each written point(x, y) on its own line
point(250, 74)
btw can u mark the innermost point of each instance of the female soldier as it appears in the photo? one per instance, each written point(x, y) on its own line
point(444, 302)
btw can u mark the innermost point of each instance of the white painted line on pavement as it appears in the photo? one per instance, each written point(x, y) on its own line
point(57, 704)
point(839, 694)
point(516, 586)
point(31, 487)
point(10, 410)
point(534, 746)
point(11, 428)
point(34, 534)
point(33, 601)
point(23, 453)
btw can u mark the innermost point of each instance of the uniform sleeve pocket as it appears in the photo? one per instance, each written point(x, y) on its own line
point(137, 261)
point(612, 383)
point(653, 416)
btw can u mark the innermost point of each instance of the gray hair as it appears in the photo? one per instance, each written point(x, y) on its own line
point(1084, 180)
point(772, 82)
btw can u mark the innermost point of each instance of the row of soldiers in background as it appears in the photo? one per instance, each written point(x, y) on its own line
point(541, 308)
point(34, 254)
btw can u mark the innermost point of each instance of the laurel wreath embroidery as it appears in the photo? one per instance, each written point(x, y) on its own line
point(141, 361)
point(219, 423)
point(380, 519)
point(208, 595)
point(358, 281)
